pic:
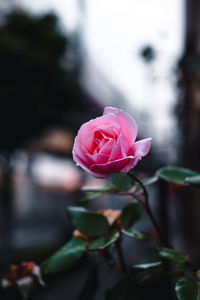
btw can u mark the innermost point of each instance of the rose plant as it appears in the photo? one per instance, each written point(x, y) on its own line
point(106, 146)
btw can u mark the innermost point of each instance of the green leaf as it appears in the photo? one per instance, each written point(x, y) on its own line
point(172, 254)
point(193, 180)
point(90, 196)
point(65, 257)
point(143, 272)
point(91, 285)
point(175, 175)
point(122, 181)
point(188, 289)
point(146, 182)
point(150, 266)
point(94, 193)
point(135, 234)
point(88, 223)
point(103, 241)
point(131, 214)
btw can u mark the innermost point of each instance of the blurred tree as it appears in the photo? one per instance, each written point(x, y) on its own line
point(36, 89)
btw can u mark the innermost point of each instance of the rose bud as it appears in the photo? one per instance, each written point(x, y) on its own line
point(107, 144)
point(22, 278)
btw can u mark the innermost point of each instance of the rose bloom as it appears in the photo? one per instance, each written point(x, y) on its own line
point(107, 144)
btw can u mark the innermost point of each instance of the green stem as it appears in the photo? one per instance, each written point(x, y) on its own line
point(148, 209)
point(121, 256)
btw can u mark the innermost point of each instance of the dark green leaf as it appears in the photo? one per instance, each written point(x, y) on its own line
point(172, 254)
point(175, 175)
point(150, 266)
point(135, 234)
point(91, 285)
point(131, 214)
point(122, 181)
point(146, 182)
point(88, 223)
point(103, 241)
point(65, 257)
point(193, 180)
point(143, 272)
point(94, 193)
point(188, 289)
point(90, 196)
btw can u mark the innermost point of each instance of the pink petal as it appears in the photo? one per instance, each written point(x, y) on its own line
point(121, 149)
point(126, 122)
point(141, 148)
point(77, 150)
point(86, 167)
point(89, 143)
point(107, 147)
point(82, 157)
point(87, 128)
point(131, 164)
point(111, 167)
point(94, 158)
point(109, 131)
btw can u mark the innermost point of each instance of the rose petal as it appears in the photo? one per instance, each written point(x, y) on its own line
point(88, 128)
point(97, 157)
point(109, 131)
point(131, 164)
point(77, 150)
point(126, 122)
point(85, 166)
point(141, 148)
point(111, 167)
point(121, 149)
point(107, 148)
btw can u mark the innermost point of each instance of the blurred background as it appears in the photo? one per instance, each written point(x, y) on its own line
point(61, 63)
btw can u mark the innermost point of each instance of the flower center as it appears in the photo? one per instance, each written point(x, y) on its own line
point(101, 140)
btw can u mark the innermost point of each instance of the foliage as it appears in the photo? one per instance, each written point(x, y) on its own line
point(131, 214)
point(102, 232)
point(98, 234)
point(89, 223)
point(174, 255)
point(65, 257)
point(175, 174)
point(188, 288)
point(103, 241)
point(122, 181)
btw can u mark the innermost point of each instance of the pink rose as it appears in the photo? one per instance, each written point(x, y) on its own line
point(107, 144)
